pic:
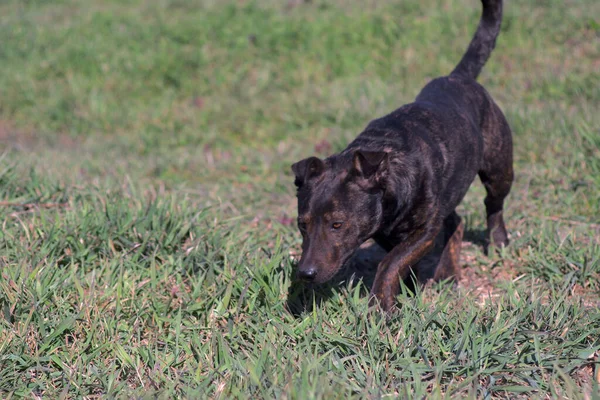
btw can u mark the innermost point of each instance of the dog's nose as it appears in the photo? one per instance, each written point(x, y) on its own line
point(307, 274)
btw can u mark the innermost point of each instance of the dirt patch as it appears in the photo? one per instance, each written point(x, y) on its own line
point(12, 138)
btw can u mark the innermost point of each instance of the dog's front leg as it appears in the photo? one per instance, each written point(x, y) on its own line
point(397, 264)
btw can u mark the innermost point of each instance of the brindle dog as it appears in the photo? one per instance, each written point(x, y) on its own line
point(401, 179)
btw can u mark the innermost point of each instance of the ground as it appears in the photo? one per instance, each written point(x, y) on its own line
point(147, 204)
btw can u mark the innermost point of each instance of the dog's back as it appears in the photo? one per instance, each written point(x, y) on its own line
point(453, 116)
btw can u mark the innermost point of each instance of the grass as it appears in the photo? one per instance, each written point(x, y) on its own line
point(146, 201)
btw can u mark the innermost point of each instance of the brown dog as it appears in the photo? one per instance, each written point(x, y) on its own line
point(401, 179)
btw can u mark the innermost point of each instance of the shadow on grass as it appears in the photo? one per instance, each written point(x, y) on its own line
point(303, 297)
point(362, 266)
point(475, 236)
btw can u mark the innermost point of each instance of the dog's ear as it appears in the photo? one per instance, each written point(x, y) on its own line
point(371, 165)
point(306, 169)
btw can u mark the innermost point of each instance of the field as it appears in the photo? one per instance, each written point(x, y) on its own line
point(148, 211)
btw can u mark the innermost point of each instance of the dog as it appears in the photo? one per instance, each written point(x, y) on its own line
point(400, 181)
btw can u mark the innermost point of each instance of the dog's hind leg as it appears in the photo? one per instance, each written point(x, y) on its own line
point(449, 266)
point(497, 177)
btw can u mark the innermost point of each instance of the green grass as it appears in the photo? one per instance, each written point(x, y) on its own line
point(146, 199)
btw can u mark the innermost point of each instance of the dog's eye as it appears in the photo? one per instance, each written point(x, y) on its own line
point(302, 226)
point(336, 225)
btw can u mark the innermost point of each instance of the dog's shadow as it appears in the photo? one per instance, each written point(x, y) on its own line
point(361, 267)
point(476, 236)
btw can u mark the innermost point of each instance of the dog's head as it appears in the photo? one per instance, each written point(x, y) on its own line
point(339, 207)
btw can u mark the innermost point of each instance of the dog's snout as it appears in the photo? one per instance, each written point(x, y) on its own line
point(307, 274)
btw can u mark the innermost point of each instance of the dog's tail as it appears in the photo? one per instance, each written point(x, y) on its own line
point(483, 41)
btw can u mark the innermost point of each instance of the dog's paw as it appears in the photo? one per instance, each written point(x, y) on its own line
point(496, 241)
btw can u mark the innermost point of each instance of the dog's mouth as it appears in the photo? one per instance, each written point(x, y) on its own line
point(322, 278)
